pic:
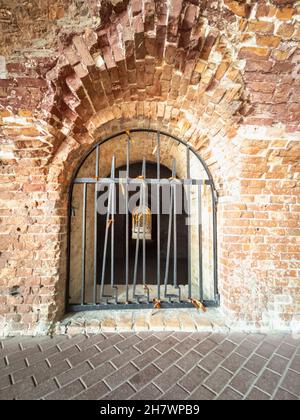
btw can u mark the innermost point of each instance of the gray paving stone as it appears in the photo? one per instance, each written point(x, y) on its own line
point(96, 392)
point(229, 394)
point(256, 363)
point(147, 366)
point(291, 382)
point(218, 380)
point(145, 358)
point(176, 393)
point(67, 392)
point(144, 376)
point(243, 381)
point(99, 374)
point(168, 378)
point(202, 394)
point(268, 381)
point(278, 363)
point(234, 362)
point(167, 359)
point(123, 392)
point(283, 395)
point(150, 392)
point(189, 360)
point(121, 375)
point(257, 395)
point(192, 380)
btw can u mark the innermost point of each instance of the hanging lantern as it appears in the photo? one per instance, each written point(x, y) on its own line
point(142, 223)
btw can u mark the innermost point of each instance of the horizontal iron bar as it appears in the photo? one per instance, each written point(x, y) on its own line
point(153, 181)
point(122, 306)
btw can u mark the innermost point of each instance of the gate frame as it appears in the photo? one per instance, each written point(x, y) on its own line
point(90, 307)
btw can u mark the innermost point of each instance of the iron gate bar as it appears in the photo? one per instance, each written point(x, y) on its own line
point(188, 174)
point(158, 216)
point(127, 220)
point(112, 182)
point(200, 243)
point(96, 227)
point(109, 223)
point(83, 260)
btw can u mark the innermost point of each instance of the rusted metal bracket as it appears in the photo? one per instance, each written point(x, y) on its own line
point(198, 305)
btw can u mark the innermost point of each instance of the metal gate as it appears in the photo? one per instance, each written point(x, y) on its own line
point(134, 289)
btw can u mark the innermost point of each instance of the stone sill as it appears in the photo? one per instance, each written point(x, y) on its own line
point(187, 320)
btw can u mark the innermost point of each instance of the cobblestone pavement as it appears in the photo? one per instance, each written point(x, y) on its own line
point(151, 366)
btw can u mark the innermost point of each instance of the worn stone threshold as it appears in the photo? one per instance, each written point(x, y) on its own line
point(183, 319)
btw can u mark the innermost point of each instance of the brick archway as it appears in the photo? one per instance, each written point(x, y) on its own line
point(222, 75)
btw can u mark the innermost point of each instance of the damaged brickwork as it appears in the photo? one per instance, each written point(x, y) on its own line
point(222, 75)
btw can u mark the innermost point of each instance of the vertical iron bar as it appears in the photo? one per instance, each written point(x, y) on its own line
point(136, 259)
point(83, 243)
point(169, 242)
point(96, 226)
point(127, 221)
point(200, 243)
point(189, 220)
point(215, 245)
point(106, 240)
point(112, 242)
point(144, 186)
point(175, 227)
point(158, 215)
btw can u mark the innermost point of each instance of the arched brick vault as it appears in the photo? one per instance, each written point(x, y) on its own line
point(202, 70)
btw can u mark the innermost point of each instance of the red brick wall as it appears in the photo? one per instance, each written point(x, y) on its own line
point(223, 76)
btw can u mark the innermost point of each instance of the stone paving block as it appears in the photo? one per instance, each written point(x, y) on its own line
point(256, 363)
point(210, 362)
point(234, 362)
point(189, 360)
point(286, 350)
point(268, 381)
point(166, 344)
point(266, 350)
point(150, 392)
point(205, 347)
point(104, 356)
point(202, 394)
point(246, 348)
point(225, 348)
point(167, 379)
point(193, 378)
point(176, 393)
point(74, 373)
point(123, 392)
point(98, 374)
point(217, 381)
point(283, 395)
point(243, 381)
point(121, 375)
point(121, 360)
point(229, 394)
point(67, 392)
point(291, 382)
point(147, 366)
point(147, 343)
point(145, 376)
point(145, 358)
point(39, 392)
point(186, 345)
point(295, 365)
point(167, 359)
point(278, 363)
point(257, 395)
point(96, 392)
